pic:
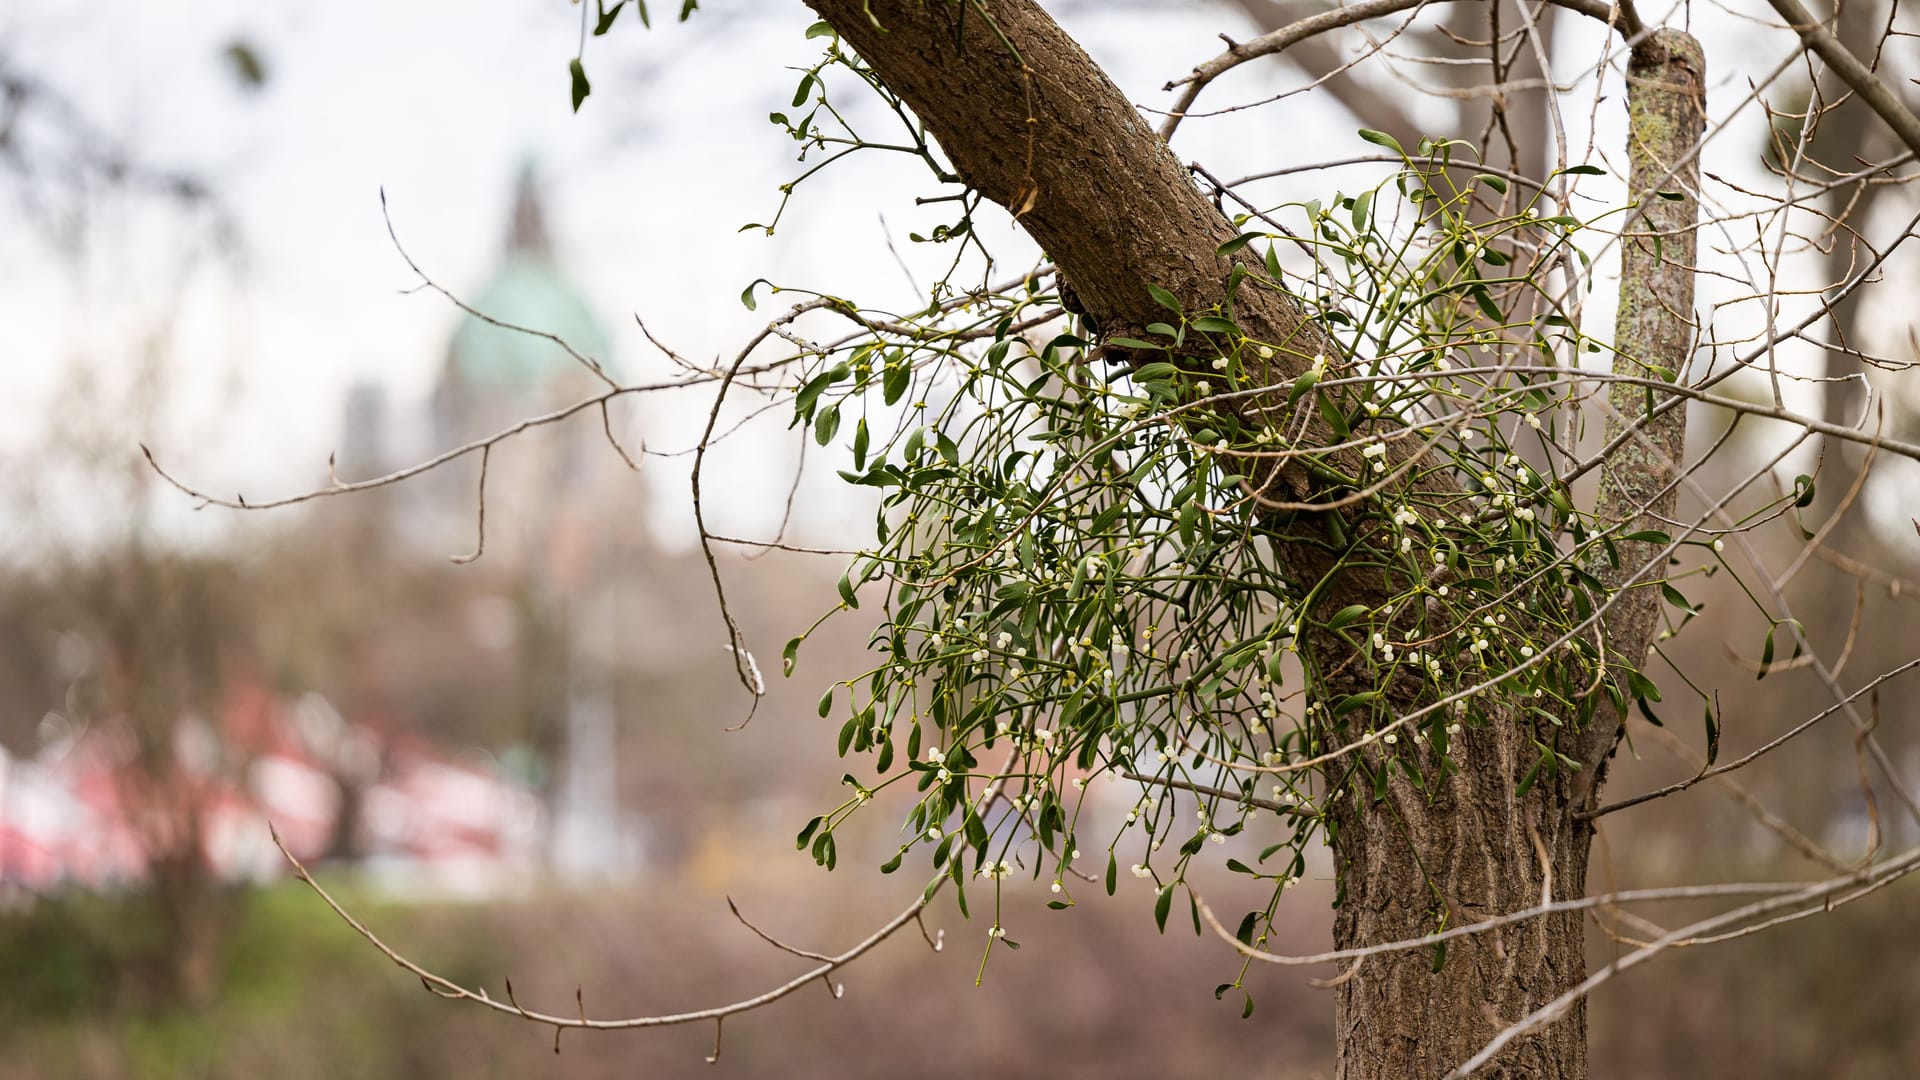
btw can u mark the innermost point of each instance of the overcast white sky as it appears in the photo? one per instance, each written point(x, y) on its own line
point(646, 189)
point(438, 103)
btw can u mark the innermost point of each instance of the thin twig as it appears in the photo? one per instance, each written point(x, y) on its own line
point(1821, 893)
point(585, 361)
point(447, 988)
point(735, 640)
point(1749, 759)
point(1631, 896)
point(1877, 95)
point(773, 941)
point(480, 544)
point(432, 463)
point(1203, 789)
point(1347, 15)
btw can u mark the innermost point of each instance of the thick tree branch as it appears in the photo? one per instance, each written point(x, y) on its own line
point(1654, 331)
point(1852, 71)
point(1029, 120)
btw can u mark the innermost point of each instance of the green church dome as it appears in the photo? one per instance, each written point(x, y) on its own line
point(527, 290)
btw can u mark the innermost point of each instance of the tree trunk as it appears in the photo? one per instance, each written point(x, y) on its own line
point(1410, 865)
point(1654, 334)
point(1027, 118)
point(1840, 142)
point(193, 909)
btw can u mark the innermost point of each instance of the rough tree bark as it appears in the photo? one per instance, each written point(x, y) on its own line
point(1028, 119)
point(1655, 329)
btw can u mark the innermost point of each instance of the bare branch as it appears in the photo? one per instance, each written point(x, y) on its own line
point(1852, 71)
point(1824, 896)
point(426, 282)
point(1629, 896)
point(449, 989)
point(1767, 819)
point(480, 500)
point(1204, 789)
point(1334, 19)
point(773, 941)
point(480, 446)
point(734, 639)
point(1756, 755)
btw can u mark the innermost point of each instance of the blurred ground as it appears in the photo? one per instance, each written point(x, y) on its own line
point(1093, 992)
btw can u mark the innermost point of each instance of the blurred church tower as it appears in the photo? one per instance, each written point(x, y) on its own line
point(560, 536)
point(493, 377)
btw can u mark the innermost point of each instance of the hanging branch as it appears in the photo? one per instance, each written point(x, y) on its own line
point(451, 990)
